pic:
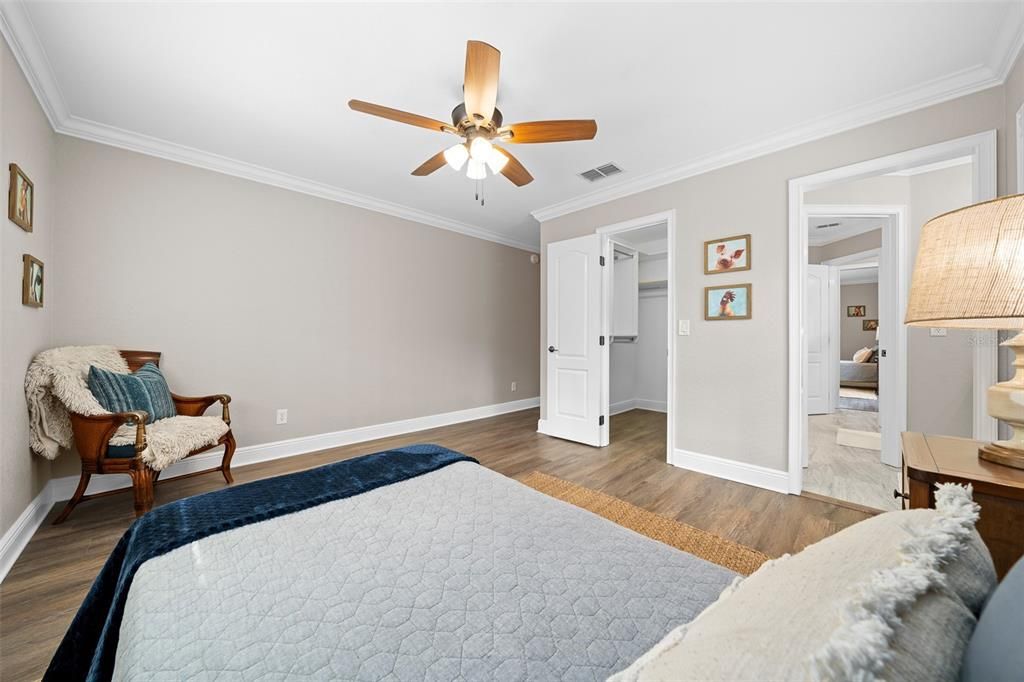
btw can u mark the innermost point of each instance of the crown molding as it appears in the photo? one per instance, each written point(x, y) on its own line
point(151, 146)
point(940, 90)
point(17, 29)
point(1007, 46)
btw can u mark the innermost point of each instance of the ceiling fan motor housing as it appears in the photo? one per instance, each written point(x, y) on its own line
point(461, 120)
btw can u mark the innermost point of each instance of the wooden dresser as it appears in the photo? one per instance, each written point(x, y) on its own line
point(999, 490)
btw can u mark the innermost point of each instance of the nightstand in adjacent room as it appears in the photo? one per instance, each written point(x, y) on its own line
point(999, 490)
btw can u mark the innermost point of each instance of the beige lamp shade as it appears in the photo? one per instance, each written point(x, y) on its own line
point(970, 268)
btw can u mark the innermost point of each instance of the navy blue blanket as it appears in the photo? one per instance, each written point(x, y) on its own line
point(88, 649)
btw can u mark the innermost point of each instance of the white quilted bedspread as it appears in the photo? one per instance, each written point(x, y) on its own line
point(458, 574)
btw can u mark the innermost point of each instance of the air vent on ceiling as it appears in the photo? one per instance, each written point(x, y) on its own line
point(826, 226)
point(595, 174)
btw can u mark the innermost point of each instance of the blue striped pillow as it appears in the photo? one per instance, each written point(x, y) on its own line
point(145, 390)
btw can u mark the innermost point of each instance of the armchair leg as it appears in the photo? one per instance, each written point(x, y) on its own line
point(83, 483)
point(142, 489)
point(229, 452)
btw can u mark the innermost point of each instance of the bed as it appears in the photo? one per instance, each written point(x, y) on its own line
point(411, 564)
point(858, 374)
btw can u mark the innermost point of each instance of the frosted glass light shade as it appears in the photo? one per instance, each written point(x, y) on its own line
point(496, 160)
point(476, 170)
point(480, 149)
point(456, 156)
point(970, 268)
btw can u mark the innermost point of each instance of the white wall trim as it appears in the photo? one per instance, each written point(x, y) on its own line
point(17, 536)
point(940, 90)
point(58, 489)
point(741, 472)
point(638, 404)
point(982, 148)
point(16, 27)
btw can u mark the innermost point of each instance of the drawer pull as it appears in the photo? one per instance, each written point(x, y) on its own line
point(896, 494)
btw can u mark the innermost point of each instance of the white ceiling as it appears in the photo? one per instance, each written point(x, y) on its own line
point(842, 228)
point(260, 90)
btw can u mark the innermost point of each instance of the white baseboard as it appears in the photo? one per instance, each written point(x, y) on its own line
point(637, 404)
point(17, 536)
point(741, 472)
point(58, 489)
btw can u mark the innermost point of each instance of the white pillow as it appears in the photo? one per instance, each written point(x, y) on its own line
point(863, 355)
point(894, 597)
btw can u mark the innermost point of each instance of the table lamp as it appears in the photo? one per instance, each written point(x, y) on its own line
point(969, 274)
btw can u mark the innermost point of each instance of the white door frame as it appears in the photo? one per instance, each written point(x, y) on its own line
point(981, 147)
point(669, 218)
point(893, 275)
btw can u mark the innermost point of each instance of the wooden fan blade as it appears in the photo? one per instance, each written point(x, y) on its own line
point(552, 131)
point(514, 170)
point(430, 165)
point(400, 116)
point(480, 88)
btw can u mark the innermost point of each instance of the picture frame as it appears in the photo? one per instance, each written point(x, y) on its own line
point(21, 199)
point(32, 281)
point(869, 325)
point(728, 302)
point(856, 311)
point(729, 254)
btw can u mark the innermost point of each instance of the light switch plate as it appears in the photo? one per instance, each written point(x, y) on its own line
point(684, 327)
point(937, 331)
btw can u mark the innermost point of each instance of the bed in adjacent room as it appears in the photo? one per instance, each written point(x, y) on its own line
point(411, 564)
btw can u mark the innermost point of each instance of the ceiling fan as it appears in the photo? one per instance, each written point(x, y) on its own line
point(479, 123)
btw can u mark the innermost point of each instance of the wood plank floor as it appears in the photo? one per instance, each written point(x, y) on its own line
point(45, 587)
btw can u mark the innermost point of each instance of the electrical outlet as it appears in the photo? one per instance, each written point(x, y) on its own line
point(684, 327)
point(514, 386)
point(937, 331)
point(282, 416)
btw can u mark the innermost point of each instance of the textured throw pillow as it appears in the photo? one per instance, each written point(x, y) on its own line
point(863, 355)
point(144, 390)
point(894, 597)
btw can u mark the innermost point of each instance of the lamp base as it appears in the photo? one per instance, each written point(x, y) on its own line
point(1006, 402)
point(1010, 457)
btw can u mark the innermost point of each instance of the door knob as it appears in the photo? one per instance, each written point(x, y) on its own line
point(552, 349)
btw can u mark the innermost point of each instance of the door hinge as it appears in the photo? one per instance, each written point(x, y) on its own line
point(600, 420)
point(600, 340)
point(602, 260)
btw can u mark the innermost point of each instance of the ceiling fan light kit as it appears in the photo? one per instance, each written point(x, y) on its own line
point(479, 123)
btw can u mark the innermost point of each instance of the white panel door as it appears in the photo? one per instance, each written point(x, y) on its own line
point(817, 324)
point(573, 380)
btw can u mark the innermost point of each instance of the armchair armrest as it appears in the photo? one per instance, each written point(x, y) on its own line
point(93, 433)
point(196, 406)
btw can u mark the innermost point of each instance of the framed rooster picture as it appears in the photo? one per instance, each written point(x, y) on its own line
point(727, 303)
point(731, 254)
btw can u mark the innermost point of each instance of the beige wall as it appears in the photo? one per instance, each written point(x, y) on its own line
point(26, 139)
point(845, 247)
point(940, 371)
point(343, 316)
point(735, 373)
point(852, 336)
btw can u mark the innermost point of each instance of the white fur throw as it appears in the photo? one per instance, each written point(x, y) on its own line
point(56, 383)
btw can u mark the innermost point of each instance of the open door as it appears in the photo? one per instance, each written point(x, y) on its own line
point(574, 350)
point(817, 329)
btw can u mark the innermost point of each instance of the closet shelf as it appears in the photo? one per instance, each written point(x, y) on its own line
point(654, 284)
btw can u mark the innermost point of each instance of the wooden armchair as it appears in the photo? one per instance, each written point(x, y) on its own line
point(93, 434)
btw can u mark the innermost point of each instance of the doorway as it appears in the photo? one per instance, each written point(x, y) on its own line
point(857, 191)
point(855, 395)
point(610, 332)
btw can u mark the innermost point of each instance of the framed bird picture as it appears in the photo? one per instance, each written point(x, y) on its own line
point(21, 199)
point(731, 254)
point(727, 303)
